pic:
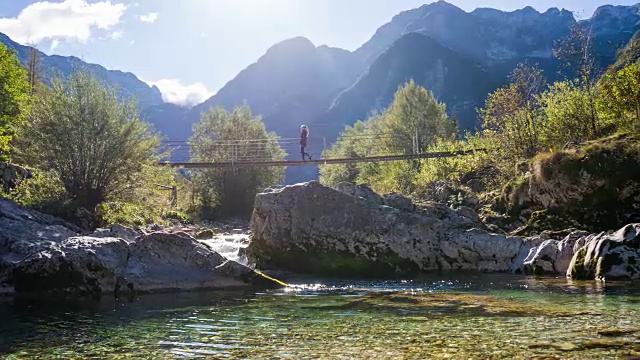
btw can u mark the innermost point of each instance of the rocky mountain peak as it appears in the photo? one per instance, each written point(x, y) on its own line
point(615, 21)
point(291, 47)
point(618, 11)
point(527, 14)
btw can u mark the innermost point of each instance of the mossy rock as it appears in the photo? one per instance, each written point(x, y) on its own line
point(546, 221)
point(332, 263)
point(207, 234)
point(594, 186)
point(609, 256)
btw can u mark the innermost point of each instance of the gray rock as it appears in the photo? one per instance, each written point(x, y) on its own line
point(359, 191)
point(41, 255)
point(552, 256)
point(398, 201)
point(117, 231)
point(314, 229)
point(608, 256)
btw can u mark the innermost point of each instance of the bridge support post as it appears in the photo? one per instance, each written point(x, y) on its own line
point(174, 196)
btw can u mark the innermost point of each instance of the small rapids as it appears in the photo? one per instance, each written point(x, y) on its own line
point(231, 246)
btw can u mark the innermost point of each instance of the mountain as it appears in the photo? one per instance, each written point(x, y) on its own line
point(454, 79)
point(488, 36)
point(629, 54)
point(127, 84)
point(613, 27)
point(291, 84)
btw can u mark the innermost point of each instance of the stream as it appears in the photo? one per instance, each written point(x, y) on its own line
point(454, 316)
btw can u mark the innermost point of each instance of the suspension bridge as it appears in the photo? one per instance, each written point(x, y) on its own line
point(269, 153)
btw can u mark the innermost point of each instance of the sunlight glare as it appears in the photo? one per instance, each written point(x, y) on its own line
point(255, 8)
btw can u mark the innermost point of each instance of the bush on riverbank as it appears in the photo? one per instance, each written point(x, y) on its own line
point(93, 160)
point(226, 136)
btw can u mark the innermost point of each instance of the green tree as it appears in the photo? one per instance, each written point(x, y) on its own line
point(33, 71)
point(576, 55)
point(415, 111)
point(92, 141)
point(565, 109)
point(14, 98)
point(621, 96)
point(511, 116)
point(223, 136)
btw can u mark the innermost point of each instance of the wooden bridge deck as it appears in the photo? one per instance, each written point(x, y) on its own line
point(249, 164)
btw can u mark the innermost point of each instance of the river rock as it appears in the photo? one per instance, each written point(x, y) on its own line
point(40, 254)
point(553, 256)
point(314, 229)
point(358, 191)
point(398, 201)
point(608, 256)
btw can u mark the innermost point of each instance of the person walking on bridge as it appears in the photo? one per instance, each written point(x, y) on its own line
point(304, 134)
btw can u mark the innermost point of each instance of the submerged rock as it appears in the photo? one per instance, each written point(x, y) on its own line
point(311, 228)
point(608, 256)
point(42, 255)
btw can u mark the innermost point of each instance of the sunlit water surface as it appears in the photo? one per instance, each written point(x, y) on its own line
point(469, 317)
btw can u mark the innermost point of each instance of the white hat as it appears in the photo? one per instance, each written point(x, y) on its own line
point(303, 127)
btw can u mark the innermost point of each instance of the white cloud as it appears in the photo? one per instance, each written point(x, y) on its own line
point(116, 35)
point(186, 95)
point(67, 20)
point(54, 45)
point(149, 18)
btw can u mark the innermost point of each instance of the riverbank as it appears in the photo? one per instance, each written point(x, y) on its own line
point(44, 256)
point(306, 229)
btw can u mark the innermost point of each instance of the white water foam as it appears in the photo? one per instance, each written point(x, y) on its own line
point(230, 246)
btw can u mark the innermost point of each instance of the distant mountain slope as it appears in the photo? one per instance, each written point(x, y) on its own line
point(127, 84)
point(485, 35)
point(612, 27)
point(629, 54)
point(454, 79)
point(289, 85)
point(169, 119)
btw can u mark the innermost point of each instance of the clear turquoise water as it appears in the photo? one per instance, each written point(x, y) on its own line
point(462, 317)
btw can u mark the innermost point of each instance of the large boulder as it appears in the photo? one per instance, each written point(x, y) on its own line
point(314, 229)
point(40, 254)
point(359, 191)
point(608, 256)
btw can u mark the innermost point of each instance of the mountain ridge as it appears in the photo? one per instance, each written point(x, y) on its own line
point(127, 84)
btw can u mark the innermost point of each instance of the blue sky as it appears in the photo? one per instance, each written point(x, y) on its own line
point(191, 48)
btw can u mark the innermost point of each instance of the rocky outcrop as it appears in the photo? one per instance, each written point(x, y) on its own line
point(352, 231)
point(602, 176)
point(311, 228)
point(608, 256)
point(41, 254)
